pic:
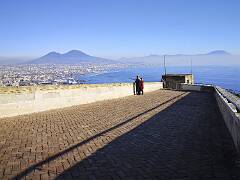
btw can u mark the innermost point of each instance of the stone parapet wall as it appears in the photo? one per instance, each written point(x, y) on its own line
point(229, 106)
point(232, 98)
point(190, 87)
point(23, 100)
point(197, 87)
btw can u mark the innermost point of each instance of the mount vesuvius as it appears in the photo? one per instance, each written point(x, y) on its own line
point(71, 57)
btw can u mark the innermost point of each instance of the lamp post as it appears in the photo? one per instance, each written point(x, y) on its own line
point(191, 67)
point(165, 70)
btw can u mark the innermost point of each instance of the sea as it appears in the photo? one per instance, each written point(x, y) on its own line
point(226, 77)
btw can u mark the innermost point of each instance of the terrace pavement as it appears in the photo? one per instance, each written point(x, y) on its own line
point(160, 135)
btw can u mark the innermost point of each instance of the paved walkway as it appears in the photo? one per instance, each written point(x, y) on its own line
point(161, 135)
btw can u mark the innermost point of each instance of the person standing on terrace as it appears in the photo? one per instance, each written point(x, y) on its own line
point(137, 85)
point(141, 86)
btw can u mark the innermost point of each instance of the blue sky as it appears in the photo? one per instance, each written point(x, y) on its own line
point(117, 28)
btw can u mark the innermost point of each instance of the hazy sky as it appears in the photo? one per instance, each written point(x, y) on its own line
point(118, 28)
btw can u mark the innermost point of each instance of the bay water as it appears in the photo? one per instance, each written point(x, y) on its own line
point(226, 77)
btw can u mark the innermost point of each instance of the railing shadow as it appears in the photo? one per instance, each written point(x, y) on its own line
point(52, 158)
point(186, 140)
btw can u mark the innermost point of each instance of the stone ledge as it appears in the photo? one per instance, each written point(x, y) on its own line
point(22, 89)
point(230, 113)
point(24, 100)
point(231, 98)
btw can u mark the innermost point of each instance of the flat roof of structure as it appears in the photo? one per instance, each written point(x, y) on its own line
point(178, 75)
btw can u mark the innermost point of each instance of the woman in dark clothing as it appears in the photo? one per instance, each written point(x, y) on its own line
point(141, 85)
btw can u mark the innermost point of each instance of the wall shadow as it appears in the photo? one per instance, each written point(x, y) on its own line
point(38, 165)
point(186, 140)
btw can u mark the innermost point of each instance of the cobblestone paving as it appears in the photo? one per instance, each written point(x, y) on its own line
point(161, 135)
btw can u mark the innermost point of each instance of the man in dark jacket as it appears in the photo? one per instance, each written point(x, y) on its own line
point(137, 84)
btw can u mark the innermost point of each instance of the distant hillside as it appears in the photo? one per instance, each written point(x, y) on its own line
point(218, 57)
point(218, 52)
point(71, 57)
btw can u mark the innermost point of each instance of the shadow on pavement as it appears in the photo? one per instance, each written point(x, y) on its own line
point(37, 166)
point(186, 140)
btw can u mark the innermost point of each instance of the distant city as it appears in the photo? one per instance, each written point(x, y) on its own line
point(55, 68)
point(44, 74)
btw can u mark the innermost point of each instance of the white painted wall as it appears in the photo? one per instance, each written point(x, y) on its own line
point(24, 101)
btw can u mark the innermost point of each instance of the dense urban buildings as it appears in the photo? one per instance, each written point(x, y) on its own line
point(36, 74)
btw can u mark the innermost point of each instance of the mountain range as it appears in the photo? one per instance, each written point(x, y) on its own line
point(218, 57)
point(77, 57)
point(71, 57)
